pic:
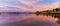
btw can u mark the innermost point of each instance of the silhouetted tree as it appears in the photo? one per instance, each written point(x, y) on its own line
point(56, 9)
point(37, 12)
point(53, 10)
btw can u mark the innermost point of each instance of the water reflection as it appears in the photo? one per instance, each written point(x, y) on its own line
point(57, 15)
point(26, 20)
point(58, 21)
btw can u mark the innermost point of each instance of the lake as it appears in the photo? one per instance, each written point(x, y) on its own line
point(27, 20)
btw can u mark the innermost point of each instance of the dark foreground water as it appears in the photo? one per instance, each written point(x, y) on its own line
point(27, 20)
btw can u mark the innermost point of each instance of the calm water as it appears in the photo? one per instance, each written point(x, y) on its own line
point(27, 20)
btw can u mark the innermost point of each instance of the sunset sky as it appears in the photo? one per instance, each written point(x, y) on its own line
point(28, 5)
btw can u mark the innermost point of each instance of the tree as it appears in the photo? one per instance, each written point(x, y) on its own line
point(37, 12)
point(56, 9)
point(53, 10)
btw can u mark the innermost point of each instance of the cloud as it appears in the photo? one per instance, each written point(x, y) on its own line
point(48, 1)
point(40, 5)
point(35, 7)
point(30, 2)
point(12, 8)
point(29, 5)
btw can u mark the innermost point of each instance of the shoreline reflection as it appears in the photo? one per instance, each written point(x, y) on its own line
point(28, 20)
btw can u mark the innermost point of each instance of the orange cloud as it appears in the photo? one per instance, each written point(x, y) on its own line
point(45, 7)
point(33, 9)
point(38, 7)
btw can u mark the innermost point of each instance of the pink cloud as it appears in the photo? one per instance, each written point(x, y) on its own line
point(39, 7)
point(45, 7)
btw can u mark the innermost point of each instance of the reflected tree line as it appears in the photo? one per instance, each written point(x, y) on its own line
point(57, 15)
point(48, 12)
point(54, 13)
